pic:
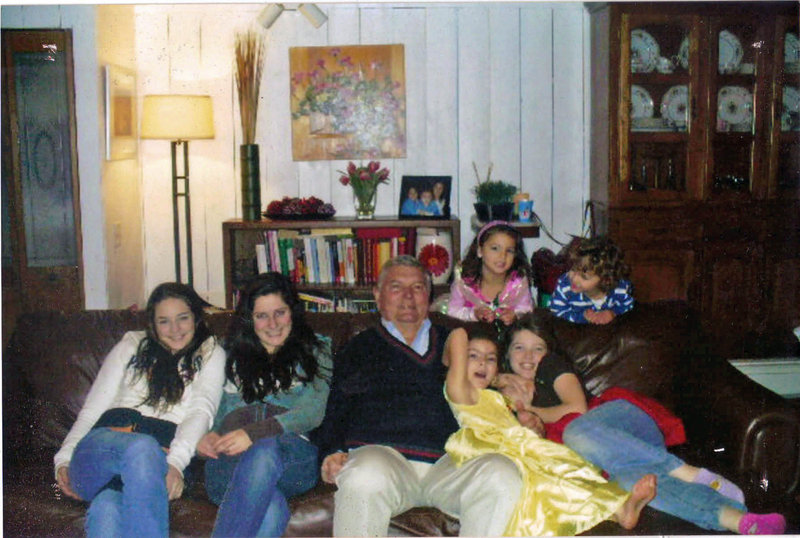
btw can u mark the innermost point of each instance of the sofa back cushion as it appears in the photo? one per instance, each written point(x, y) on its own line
point(53, 358)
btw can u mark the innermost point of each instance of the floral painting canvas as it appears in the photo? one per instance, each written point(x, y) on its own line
point(348, 102)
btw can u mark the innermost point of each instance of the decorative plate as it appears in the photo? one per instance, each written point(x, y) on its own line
point(730, 52)
point(641, 103)
point(735, 107)
point(790, 115)
point(683, 53)
point(791, 50)
point(675, 106)
point(644, 51)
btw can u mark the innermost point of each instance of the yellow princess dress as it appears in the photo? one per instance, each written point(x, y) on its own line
point(562, 493)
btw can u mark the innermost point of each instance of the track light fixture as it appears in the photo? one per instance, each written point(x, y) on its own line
point(271, 12)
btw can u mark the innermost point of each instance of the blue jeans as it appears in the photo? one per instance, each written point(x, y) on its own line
point(251, 489)
point(140, 509)
point(623, 440)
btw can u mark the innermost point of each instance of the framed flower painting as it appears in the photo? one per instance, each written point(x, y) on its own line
point(348, 102)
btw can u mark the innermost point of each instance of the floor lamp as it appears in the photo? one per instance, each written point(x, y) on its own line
point(179, 118)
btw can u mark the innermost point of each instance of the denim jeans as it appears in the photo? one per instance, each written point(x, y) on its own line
point(140, 509)
point(623, 440)
point(251, 489)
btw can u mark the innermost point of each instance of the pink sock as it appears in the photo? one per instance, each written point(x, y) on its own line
point(762, 524)
point(720, 484)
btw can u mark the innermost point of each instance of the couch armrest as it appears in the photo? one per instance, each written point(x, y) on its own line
point(749, 429)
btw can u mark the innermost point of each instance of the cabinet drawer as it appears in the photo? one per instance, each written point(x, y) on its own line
point(646, 229)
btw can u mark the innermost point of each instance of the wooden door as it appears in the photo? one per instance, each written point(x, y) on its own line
point(42, 267)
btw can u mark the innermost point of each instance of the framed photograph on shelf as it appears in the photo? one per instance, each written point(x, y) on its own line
point(425, 197)
point(120, 108)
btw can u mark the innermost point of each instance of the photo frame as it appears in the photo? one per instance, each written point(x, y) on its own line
point(120, 109)
point(425, 197)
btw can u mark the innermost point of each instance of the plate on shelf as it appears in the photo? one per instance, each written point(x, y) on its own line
point(644, 51)
point(683, 53)
point(790, 115)
point(734, 109)
point(641, 103)
point(730, 52)
point(791, 49)
point(675, 106)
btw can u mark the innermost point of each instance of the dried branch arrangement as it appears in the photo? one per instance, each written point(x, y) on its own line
point(250, 52)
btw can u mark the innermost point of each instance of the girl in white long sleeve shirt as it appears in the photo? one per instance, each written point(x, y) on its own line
point(170, 376)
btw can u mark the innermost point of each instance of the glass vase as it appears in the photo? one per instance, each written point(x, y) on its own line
point(365, 205)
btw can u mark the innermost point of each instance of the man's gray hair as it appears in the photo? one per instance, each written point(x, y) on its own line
point(405, 260)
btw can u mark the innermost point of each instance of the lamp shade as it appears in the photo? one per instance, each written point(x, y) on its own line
point(177, 117)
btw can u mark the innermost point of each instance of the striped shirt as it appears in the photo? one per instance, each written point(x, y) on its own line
point(569, 305)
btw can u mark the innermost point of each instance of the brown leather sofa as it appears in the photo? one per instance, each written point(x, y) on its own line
point(734, 425)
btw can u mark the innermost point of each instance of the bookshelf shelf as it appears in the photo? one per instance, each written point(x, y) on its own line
point(240, 237)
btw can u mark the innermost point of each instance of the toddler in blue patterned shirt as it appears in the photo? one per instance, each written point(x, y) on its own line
point(595, 289)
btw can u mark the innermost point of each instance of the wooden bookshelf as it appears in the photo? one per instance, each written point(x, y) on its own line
point(239, 238)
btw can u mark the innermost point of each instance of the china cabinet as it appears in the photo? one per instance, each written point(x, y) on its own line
point(696, 159)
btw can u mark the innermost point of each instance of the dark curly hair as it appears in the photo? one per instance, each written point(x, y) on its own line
point(168, 373)
point(599, 255)
point(472, 265)
point(250, 366)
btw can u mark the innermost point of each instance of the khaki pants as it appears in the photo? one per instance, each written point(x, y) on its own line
point(378, 482)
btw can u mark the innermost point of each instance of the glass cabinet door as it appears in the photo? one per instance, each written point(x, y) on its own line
point(659, 70)
point(737, 86)
point(787, 120)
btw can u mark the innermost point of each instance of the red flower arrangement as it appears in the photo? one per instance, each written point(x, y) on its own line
point(435, 258)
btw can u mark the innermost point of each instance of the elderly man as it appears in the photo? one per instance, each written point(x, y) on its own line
point(387, 409)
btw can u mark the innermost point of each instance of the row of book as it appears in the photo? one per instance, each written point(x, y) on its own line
point(332, 255)
point(336, 303)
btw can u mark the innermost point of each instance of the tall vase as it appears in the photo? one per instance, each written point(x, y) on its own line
point(435, 251)
point(365, 204)
point(251, 184)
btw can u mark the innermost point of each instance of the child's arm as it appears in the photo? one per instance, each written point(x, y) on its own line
point(620, 299)
point(573, 400)
point(458, 306)
point(561, 305)
point(455, 357)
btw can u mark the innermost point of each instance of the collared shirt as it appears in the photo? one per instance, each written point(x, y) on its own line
point(421, 341)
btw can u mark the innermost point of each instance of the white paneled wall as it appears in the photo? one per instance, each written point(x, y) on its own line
point(502, 84)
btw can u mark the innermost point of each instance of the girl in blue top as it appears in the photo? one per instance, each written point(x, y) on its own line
point(278, 374)
point(595, 289)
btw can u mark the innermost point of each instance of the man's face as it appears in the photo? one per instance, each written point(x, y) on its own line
point(403, 295)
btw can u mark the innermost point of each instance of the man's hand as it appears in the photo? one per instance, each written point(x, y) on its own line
point(506, 315)
point(516, 388)
point(62, 478)
point(599, 318)
point(174, 483)
point(233, 443)
point(331, 466)
point(531, 421)
point(205, 447)
point(484, 313)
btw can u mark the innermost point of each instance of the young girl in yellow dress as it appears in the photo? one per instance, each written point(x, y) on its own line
point(562, 493)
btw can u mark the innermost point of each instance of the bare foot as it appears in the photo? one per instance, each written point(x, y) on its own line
point(642, 493)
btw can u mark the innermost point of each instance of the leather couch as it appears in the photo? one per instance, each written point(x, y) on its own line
point(734, 425)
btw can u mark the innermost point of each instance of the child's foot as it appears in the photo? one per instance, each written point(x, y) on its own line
point(719, 484)
point(762, 524)
point(642, 493)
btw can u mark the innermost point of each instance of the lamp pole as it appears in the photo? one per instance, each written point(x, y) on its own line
point(176, 194)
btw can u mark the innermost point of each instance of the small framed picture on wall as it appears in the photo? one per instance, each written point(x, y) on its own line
point(425, 197)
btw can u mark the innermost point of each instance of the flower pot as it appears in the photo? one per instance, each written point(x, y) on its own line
point(251, 183)
point(435, 251)
point(365, 204)
point(502, 211)
point(482, 210)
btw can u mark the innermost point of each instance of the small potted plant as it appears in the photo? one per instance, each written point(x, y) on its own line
point(494, 197)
